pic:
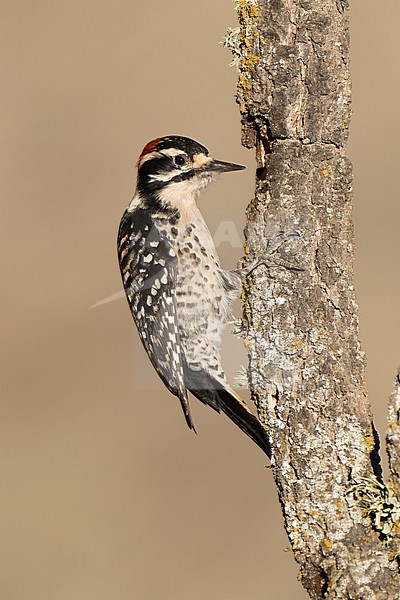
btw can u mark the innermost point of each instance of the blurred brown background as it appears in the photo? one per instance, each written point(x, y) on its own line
point(105, 492)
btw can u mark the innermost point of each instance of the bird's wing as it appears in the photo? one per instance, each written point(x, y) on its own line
point(148, 267)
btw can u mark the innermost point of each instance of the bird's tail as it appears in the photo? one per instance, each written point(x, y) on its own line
point(217, 394)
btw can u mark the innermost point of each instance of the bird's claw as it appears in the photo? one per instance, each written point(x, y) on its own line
point(273, 245)
point(279, 239)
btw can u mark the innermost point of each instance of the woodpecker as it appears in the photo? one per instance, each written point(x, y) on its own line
point(179, 295)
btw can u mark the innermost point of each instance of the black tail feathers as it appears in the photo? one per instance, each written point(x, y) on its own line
point(220, 396)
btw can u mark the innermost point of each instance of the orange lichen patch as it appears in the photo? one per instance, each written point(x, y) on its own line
point(249, 61)
point(247, 9)
point(327, 171)
point(253, 11)
point(299, 576)
point(396, 526)
point(298, 343)
point(370, 440)
point(243, 13)
point(244, 83)
point(248, 39)
point(247, 342)
point(339, 504)
point(327, 544)
point(246, 249)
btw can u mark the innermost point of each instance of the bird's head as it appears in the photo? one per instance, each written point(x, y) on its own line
point(174, 168)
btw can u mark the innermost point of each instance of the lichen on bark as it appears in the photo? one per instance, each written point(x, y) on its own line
point(393, 438)
point(306, 366)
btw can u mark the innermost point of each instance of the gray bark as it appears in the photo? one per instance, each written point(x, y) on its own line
point(307, 370)
point(393, 437)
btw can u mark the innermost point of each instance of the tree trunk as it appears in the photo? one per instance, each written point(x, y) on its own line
point(307, 370)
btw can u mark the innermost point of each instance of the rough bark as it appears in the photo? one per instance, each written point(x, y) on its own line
point(306, 365)
point(393, 437)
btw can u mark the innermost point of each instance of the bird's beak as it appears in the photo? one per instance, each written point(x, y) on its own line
point(220, 166)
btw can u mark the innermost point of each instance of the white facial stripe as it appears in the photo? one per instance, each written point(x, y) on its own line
point(165, 176)
point(172, 152)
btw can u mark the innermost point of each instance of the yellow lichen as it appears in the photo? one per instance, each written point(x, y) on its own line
point(327, 170)
point(249, 61)
point(370, 441)
point(378, 502)
point(244, 83)
point(253, 12)
point(298, 343)
point(327, 544)
point(243, 41)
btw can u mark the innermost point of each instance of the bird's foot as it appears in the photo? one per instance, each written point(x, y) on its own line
point(268, 260)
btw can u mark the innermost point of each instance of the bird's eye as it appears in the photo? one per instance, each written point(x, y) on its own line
point(180, 160)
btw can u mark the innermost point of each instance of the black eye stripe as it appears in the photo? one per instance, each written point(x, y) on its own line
point(185, 176)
